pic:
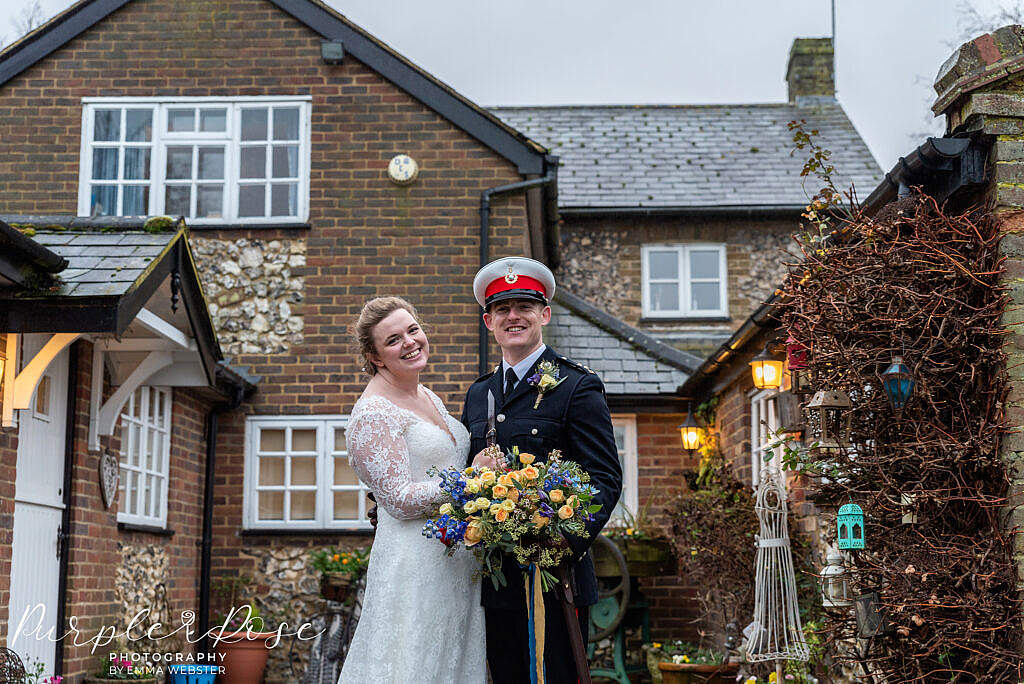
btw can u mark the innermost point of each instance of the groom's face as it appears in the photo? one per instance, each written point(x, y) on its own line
point(517, 324)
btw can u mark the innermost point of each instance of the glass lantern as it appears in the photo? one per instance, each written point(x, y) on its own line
point(832, 408)
point(898, 383)
point(767, 371)
point(850, 524)
point(691, 433)
point(835, 581)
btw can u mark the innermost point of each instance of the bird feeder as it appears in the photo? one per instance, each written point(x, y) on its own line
point(835, 581)
point(767, 371)
point(898, 383)
point(850, 524)
point(796, 363)
point(691, 432)
point(832, 408)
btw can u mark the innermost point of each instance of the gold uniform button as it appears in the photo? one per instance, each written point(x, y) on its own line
point(501, 417)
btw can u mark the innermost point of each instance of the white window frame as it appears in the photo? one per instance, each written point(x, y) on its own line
point(161, 139)
point(145, 393)
point(764, 420)
point(682, 251)
point(325, 487)
point(630, 497)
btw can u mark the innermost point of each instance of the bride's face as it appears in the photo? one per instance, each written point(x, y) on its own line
point(401, 345)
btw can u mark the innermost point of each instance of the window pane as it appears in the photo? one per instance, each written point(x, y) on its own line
point(147, 495)
point(303, 505)
point(254, 162)
point(286, 124)
point(271, 440)
point(209, 201)
point(620, 438)
point(271, 470)
point(303, 440)
point(43, 396)
point(156, 457)
point(133, 444)
point(254, 124)
point(108, 125)
point(179, 163)
point(131, 502)
point(271, 505)
point(705, 296)
point(213, 120)
point(303, 471)
point(663, 265)
point(178, 200)
point(211, 162)
point(664, 297)
point(286, 161)
point(136, 163)
point(343, 473)
point(161, 401)
point(103, 200)
point(138, 125)
point(346, 505)
point(284, 199)
point(181, 120)
point(104, 163)
point(339, 439)
point(250, 200)
point(703, 264)
point(136, 200)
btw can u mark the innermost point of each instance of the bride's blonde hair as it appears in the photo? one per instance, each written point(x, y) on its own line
point(375, 311)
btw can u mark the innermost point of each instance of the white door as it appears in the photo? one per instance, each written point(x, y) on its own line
point(38, 504)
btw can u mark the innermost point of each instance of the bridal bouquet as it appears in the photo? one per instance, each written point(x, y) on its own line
point(524, 508)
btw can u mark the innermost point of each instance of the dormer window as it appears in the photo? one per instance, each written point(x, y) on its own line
point(684, 281)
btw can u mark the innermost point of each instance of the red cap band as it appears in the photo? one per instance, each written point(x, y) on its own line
point(521, 283)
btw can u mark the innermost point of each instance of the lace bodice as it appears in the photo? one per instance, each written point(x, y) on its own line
point(391, 449)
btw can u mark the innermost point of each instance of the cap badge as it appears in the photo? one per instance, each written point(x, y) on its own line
point(511, 277)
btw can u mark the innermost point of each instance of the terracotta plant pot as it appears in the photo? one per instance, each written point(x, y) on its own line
point(245, 657)
point(690, 673)
point(159, 679)
point(334, 586)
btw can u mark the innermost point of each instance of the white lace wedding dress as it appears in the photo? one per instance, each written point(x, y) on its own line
point(421, 619)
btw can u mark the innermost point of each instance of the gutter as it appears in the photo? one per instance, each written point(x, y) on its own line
point(733, 210)
point(549, 179)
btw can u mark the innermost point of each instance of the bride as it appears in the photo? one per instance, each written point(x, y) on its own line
point(421, 619)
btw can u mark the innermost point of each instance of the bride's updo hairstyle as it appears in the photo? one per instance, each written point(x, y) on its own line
point(375, 311)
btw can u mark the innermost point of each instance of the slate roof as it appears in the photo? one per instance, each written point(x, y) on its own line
point(104, 263)
point(686, 156)
point(629, 361)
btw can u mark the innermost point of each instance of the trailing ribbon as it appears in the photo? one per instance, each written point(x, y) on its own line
point(535, 622)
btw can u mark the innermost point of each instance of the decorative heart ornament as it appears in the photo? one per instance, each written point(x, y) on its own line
point(110, 474)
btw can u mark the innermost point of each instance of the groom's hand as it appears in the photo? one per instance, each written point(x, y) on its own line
point(372, 513)
point(484, 460)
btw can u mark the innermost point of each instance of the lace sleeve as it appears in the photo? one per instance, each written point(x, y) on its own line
point(380, 457)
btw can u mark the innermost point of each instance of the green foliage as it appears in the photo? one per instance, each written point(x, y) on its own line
point(159, 224)
point(352, 563)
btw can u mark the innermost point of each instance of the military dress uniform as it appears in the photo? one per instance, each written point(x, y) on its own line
point(573, 418)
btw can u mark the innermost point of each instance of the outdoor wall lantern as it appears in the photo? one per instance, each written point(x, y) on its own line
point(850, 525)
point(832, 408)
point(767, 371)
point(898, 383)
point(835, 581)
point(691, 432)
point(796, 364)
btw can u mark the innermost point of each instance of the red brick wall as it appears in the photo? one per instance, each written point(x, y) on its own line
point(8, 462)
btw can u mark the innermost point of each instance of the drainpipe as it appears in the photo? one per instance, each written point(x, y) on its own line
point(206, 542)
point(64, 535)
point(485, 238)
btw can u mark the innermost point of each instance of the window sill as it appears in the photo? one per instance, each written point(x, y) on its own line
point(146, 529)
point(241, 225)
point(308, 532)
point(650, 320)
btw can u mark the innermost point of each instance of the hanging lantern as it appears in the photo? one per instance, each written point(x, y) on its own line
point(850, 525)
point(833, 410)
point(767, 371)
point(835, 581)
point(870, 620)
point(691, 432)
point(796, 363)
point(791, 418)
point(898, 383)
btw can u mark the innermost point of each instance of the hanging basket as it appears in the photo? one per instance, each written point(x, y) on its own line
point(335, 586)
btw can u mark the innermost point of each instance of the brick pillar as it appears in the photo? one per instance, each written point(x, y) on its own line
point(981, 91)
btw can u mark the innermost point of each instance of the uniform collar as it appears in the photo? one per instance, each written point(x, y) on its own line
point(524, 366)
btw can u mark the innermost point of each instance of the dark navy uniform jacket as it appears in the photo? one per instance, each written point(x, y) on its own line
point(574, 418)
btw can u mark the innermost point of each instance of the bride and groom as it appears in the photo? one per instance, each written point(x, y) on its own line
point(425, 618)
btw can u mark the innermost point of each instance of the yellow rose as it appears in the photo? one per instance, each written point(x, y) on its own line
point(446, 509)
point(516, 475)
point(474, 532)
point(495, 507)
point(470, 507)
point(546, 381)
point(508, 506)
point(530, 473)
point(572, 501)
point(501, 515)
point(539, 520)
point(482, 502)
point(526, 458)
point(335, 557)
point(499, 491)
point(472, 487)
point(487, 477)
point(513, 494)
point(468, 471)
point(565, 512)
point(556, 496)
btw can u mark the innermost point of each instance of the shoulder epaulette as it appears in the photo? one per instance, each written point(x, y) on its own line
point(576, 364)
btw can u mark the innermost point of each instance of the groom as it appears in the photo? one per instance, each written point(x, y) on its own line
point(514, 293)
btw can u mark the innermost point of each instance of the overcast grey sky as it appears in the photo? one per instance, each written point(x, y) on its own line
point(536, 52)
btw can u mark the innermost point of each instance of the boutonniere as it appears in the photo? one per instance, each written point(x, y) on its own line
point(545, 379)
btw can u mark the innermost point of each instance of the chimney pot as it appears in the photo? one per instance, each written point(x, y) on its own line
point(810, 69)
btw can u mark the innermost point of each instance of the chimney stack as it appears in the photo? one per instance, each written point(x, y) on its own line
point(810, 69)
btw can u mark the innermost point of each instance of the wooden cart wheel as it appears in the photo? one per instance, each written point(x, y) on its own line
point(612, 593)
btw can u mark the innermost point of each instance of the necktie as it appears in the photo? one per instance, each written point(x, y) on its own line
point(510, 382)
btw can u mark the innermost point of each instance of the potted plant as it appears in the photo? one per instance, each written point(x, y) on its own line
point(241, 634)
point(678, 662)
point(646, 548)
point(339, 570)
point(34, 670)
